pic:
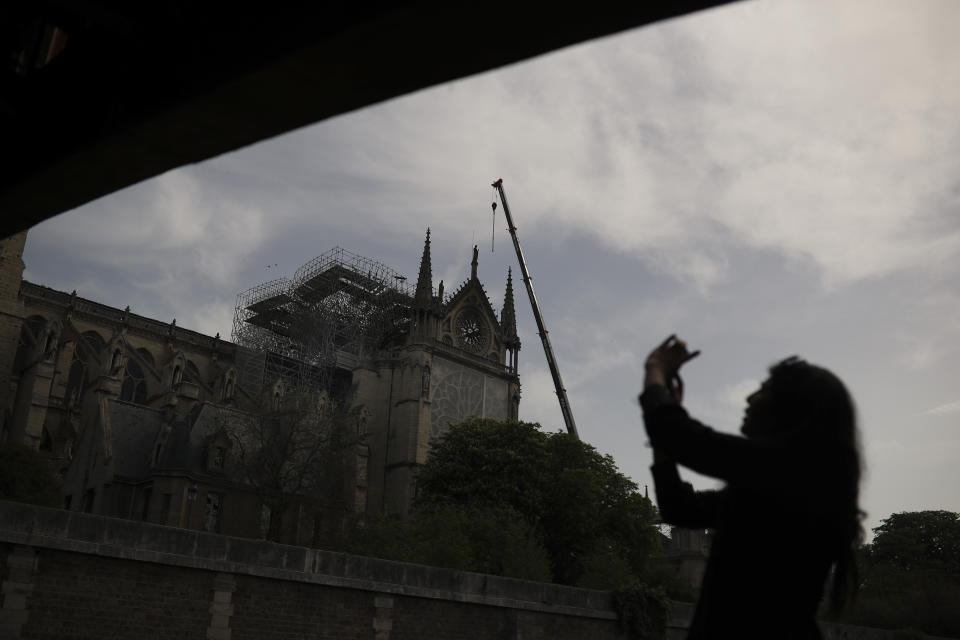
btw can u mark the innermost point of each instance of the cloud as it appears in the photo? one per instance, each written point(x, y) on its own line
point(929, 334)
point(786, 128)
point(825, 133)
point(172, 224)
point(944, 409)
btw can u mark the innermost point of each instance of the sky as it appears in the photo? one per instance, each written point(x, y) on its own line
point(764, 179)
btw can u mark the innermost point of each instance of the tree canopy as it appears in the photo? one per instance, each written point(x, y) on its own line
point(910, 574)
point(594, 527)
point(26, 476)
point(919, 541)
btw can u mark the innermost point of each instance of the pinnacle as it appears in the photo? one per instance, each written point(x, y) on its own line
point(508, 316)
point(424, 292)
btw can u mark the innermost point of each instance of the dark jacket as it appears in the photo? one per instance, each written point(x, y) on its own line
point(775, 522)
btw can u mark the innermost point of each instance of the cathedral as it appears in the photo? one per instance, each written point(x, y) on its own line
point(140, 417)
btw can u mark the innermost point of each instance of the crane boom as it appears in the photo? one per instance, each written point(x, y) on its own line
point(541, 329)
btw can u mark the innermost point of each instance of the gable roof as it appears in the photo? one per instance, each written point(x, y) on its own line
point(466, 288)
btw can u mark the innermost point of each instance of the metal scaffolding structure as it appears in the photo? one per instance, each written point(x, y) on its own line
point(338, 309)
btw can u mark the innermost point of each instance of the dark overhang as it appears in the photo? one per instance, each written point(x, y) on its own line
point(96, 96)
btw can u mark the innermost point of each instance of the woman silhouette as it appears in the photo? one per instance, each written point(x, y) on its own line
point(789, 510)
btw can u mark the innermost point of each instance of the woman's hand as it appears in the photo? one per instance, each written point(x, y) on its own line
point(663, 365)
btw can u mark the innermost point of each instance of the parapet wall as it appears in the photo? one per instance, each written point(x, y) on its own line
point(72, 575)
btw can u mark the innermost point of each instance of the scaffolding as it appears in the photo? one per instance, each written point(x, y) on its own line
point(339, 309)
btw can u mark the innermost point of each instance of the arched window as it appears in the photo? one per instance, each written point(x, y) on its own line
point(127, 389)
point(76, 378)
point(177, 376)
point(134, 388)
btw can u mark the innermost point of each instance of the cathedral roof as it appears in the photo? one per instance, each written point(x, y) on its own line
point(465, 289)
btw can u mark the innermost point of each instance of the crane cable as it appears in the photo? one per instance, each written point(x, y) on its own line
point(493, 224)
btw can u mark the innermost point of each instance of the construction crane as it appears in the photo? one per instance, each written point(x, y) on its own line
point(541, 329)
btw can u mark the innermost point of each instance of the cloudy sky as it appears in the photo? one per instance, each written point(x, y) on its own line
point(765, 179)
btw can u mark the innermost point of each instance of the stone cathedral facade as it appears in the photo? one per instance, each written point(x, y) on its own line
point(131, 410)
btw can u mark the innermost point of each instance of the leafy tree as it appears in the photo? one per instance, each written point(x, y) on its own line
point(26, 476)
point(485, 540)
point(493, 540)
point(595, 528)
point(918, 541)
point(910, 574)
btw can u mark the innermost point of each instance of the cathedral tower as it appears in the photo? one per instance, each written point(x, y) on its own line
point(453, 366)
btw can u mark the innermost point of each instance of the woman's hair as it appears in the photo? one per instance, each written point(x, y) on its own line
point(811, 402)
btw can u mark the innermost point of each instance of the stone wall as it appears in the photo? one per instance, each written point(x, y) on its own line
point(70, 575)
point(73, 575)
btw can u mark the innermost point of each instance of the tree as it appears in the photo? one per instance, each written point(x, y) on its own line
point(910, 574)
point(594, 526)
point(26, 476)
point(290, 451)
point(919, 541)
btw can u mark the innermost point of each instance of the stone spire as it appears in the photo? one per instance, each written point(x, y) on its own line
point(424, 294)
point(508, 315)
point(473, 264)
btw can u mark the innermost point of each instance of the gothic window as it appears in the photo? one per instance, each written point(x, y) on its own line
point(134, 388)
point(472, 331)
point(177, 376)
point(75, 379)
point(127, 389)
point(211, 514)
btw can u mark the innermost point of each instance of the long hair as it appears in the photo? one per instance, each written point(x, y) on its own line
point(812, 402)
